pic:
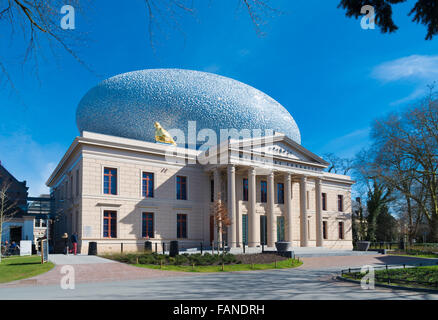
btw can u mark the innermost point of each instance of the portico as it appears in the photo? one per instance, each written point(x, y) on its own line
point(270, 200)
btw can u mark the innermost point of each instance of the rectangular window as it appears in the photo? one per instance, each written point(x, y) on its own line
point(340, 203)
point(280, 229)
point(37, 223)
point(307, 200)
point(110, 181)
point(181, 188)
point(147, 228)
point(211, 190)
point(147, 186)
point(245, 189)
point(110, 224)
point(280, 193)
point(71, 187)
point(341, 230)
point(245, 228)
point(324, 229)
point(324, 201)
point(77, 183)
point(181, 226)
point(263, 230)
point(263, 191)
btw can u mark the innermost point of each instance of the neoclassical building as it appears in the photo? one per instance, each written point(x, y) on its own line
point(116, 186)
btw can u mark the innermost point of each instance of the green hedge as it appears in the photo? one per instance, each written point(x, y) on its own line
point(186, 259)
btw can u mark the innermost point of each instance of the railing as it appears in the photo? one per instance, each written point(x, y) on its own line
point(356, 273)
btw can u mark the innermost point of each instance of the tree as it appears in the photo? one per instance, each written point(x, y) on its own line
point(338, 165)
point(378, 198)
point(405, 158)
point(221, 218)
point(8, 208)
point(386, 226)
point(424, 12)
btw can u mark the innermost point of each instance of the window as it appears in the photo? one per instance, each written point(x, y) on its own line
point(307, 200)
point(77, 182)
point(263, 191)
point(110, 181)
point(181, 226)
point(147, 226)
point(43, 223)
point(147, 185)
point(324, 201)
point(341, 230)
point(37, 223)
point(324, 229)
point(340, 203)
point(245, 228)
point(110, 224)
point(280, 228)
point(71, 187)
point(245, 189)
point(280, 193)
point(211, 190)
point(181, 188)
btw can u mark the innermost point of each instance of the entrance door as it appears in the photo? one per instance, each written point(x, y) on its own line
point(263, 230)
point(15, 234)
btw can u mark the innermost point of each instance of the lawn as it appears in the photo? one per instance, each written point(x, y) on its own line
point(420, 277)
point(289, 263)
point(17, 268)
point(415, 254)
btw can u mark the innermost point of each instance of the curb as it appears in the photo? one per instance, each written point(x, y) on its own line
point(390, 286)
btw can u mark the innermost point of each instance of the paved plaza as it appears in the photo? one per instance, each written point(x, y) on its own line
point(98, 278)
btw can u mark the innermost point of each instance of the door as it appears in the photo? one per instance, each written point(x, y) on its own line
point(15, 234)
point(263, 230)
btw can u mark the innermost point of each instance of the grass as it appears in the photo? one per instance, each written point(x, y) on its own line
point(288, 263)
point(416, 255)
point(17, 268)
point(427, 277)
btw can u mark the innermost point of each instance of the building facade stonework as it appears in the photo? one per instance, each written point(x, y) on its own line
point(119, 192)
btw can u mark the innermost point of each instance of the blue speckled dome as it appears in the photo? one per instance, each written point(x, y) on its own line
point(128, 104)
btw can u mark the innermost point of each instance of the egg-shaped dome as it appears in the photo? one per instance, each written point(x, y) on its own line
point(127, 105)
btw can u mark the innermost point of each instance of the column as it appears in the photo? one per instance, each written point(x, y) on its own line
point(318, 206)
point(232, 206)
point(252, 226)
point(217, 190)
point(288, 206)
point(272, 225)
point(303, 212)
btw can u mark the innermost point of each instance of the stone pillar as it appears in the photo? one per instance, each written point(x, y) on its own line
point(252, 225)
point(217, 188)
point(303, 212)
point(318, 206)
point(288, 206)
point(272, 225)
point(232, 206)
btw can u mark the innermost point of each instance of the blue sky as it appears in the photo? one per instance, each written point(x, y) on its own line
point(332, 76)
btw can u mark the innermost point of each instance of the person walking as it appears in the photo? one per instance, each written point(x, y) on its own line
point(65, 237)
point(74, 241)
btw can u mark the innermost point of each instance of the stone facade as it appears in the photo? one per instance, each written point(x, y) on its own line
point(77, 185)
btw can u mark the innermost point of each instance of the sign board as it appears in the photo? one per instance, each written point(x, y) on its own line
point(44, 251)
point(25, 248)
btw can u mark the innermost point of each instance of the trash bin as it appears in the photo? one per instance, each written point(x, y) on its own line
point(173, 250)
point(148, 246)
point(92, 248)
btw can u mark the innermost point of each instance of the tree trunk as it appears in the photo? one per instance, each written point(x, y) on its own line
point(434, 228)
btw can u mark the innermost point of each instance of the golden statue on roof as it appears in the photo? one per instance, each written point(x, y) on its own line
point(162, 135)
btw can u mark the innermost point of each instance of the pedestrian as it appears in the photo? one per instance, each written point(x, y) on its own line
point(74, 241)
point(65, 237)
